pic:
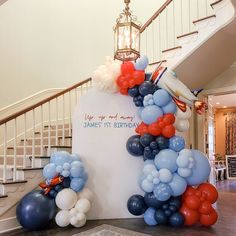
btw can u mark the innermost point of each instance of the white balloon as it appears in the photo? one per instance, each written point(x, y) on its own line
point(63, 218)
point(66, 199)
point(80, 216)
point(73, 212)
point(181, 125)
point(83, 205)
point(86, 193)
point(81, 223)
point(74, 220)
point(184, 115)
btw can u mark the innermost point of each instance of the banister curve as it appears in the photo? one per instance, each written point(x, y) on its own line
point(30, 108)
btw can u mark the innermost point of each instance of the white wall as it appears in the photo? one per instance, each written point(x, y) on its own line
point(56, 43)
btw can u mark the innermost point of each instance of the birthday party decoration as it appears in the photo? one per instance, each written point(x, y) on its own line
point(171, 173)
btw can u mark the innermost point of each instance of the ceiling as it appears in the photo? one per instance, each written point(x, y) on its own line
point(223, 101)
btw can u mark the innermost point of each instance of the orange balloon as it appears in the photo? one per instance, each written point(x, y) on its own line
point(169, 119)
point(209, 219)
point(191, 217)
point(154, 129)
point(209, 191)
point(142, 129)
point(205, 208)
point(168, 131)
point(192, 202)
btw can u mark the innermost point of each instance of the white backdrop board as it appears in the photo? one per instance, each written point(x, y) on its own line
point(102, 124)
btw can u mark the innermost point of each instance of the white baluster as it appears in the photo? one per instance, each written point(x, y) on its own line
point(167, 43)
point(5, 152)
point(159, 41)
point(33, 141)
point(70, 115)
point(25, 131)
point(198, 9)
point(63, 119)
point(41, 131)
point(153, 42)
point(15, 140)
point(181, 16)
point(174, 34)
point(76, 98)
point(49, 128)
point(56, 121)
point(189, 16)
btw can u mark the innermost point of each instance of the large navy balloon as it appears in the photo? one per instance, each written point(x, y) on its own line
point(35, 211)
point(136, 205)
point(134, 147)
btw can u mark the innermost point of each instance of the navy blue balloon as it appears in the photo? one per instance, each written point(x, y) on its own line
point(146, 88)
point(134, 147)
point(35, 211)
point(168, 212)
point(146, 139)
point(133, 92)
point(161, 217)
point(58, 188)
point(136, 205)
point(154, 145)
point(173, 208)
point(148, 76)
point(66, 182)
point(165, 206)
point(175, 201)
point(53, 193)
point(152, 201)
point(163, 143)
point(176, 220)
point(138, 101)
point(148, 153)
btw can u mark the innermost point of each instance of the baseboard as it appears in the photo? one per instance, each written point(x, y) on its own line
point(9, 224)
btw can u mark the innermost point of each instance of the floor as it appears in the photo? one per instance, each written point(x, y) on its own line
point(226, 225)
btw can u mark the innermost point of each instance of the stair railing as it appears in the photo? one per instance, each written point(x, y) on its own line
point(51, 113)
point(174, 18)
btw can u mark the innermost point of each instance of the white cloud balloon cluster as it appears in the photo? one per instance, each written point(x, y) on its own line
point(105, 75)
point(181, 119)
point(74, 209)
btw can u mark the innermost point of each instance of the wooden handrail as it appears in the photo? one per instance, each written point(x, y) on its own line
point(157, 13)
point(30, 108)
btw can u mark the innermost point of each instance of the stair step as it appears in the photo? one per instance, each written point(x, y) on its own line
point(8, 182)
point(188, 34)
point(53, 132)
point(215, 3)
point(29, 168)
point(3, 195)
point(204, 18)
point(172, 49)
point(60, 126)
point(157, 62)
point(59, 146)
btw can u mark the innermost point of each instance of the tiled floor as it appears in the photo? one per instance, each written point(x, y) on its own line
point(226, 225)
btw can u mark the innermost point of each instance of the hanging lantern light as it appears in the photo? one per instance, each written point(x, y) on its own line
point(127, 35)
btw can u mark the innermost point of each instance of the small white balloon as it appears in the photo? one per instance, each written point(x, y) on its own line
point(73, 212)
point(63, 218)
point(66, 199)
point(181, 125)
point(87, 194)
point(81, 223)
point(83, 205)
point(184, 115)
point(74, 220)
point(80, 216)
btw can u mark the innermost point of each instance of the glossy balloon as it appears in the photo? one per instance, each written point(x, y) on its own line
point(150, 114)
point(176, 143)
point(161, 217)
point(136, 205)
point(161, 97)
point(149, 217)
point(162, 191)
point(176, 220)
point(178, 185)
point(134, 147)
point(152, 201)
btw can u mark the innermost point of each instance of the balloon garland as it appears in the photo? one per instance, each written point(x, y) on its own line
point(63, 189)
point(172, 177)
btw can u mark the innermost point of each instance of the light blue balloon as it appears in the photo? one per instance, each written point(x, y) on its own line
point(77, 184)
point(65, 173)
point(141, 63)
point(149, 217)
point(176, 143)
point(75, 157)
point(49, 171)
point(147, 169)
point(201, 169)
point(59, 158)
point(77, 169)
point(148, 162)
point(184, 172)
point(165, 175)
point(66, 166)
point(150, 114)
point(182, 161)
point(161, 97)
point(139, 112)
point(178, 185)
point(147, 186)
point(59, 169)
point(84, 176)
point(169, 108)
point(166, 158)
point(162, 191)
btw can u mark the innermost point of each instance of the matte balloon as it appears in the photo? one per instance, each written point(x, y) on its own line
point(141, 63)
point(162, 142)
point(181, 125)
point(83, 205)
point(86, 193)
point(166, 159)
point(146, 139)
point(162, 191)
point(169, 108)
point(149, 217)
point(77, 184)
point(161, 97)
point(150, 114)
point(146, 88)
point(77, 169)
point(36, 211)
point(59, 158)
point(80, 223)
point(176, 220)
point(75, 157)
point(66, 199)
point(66, 182)
point(178, 185)
point(201, 169)
point(183, 115)
point(165, 175)
point(133, 92)
point(152, 201)
point(136, 205)
point(49, 171)
point(63, 218)
point(161, 217)
point(176, 143)
point(147, 186)
point(134, 147)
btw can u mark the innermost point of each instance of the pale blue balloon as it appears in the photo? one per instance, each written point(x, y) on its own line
point(178, 185)
point(165, 175)
point(161, 97)
point(149, 217)
point(150, 114)
point(169, 108)
point(77, 184)
point(184, 172)
point(75, 157)
point(147, 162)
point(166, 158)
point(65, 173)
point(59, 169)
point(162, 192)
point(201, 169)
point(176, 143)
point(59, 158)
point(141, 63)
point(182, 161)
point(49, 171)
point(147, 186)
point(77, 169)
point(66, 166)
point(147, 169)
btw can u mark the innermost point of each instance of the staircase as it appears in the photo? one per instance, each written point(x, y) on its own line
point(194, 38)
